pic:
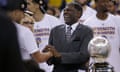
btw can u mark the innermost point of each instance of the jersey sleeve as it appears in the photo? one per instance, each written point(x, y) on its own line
point(30, 43)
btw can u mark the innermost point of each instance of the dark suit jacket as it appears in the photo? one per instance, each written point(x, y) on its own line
point(74, 53)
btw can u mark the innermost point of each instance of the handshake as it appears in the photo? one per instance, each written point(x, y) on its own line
point(56, 58)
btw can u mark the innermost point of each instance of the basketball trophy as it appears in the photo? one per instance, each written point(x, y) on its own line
point(99, 49)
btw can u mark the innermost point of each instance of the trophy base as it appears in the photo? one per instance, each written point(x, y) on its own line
point(102, 67)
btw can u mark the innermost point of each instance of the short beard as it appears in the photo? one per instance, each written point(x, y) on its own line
point(83, 4)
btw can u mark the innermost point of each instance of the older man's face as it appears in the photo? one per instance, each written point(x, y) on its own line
point(71, 15)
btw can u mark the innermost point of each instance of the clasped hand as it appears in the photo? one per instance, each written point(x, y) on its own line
point(56, 58)
point(52, 50)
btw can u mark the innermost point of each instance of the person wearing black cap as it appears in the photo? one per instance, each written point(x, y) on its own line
point(26, 40)
point(10, 58)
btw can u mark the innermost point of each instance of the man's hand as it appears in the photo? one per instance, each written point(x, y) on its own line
point(56, 58)
point(53, 50)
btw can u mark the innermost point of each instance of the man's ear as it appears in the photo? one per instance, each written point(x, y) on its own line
point(79, 14)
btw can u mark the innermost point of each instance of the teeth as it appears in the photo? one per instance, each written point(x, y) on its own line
point(66, 16)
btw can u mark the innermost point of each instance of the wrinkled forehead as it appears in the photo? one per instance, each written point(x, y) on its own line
point(69, 7)
point(81, 1)
point(102, 1)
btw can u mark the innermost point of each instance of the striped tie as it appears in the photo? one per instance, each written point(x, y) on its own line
point(68, 33)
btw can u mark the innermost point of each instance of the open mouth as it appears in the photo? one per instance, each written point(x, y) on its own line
point(66, 15)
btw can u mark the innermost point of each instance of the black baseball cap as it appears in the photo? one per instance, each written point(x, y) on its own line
point(12, 4)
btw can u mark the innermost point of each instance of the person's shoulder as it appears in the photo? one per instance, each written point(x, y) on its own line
point(50, 16)
point(4, 18)
point(90, 19)
point(23, 32)
point(86, 27)
point(118, 16)
point(22, 28)
point(59, 27)
point(91, 9)
point(6, 25)
point(112, 17)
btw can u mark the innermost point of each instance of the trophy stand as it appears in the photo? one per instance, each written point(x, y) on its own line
point(99, 49)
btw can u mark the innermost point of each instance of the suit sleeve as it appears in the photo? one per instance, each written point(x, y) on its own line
point(52, 60)
point(51, 38)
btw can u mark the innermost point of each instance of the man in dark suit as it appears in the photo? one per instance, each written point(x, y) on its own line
point(71, 43)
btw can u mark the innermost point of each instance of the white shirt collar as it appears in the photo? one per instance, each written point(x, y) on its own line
point(73, 26)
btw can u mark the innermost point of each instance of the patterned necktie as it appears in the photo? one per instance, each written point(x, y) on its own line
point(68, 33)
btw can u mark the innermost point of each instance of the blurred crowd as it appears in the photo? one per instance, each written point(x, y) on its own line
point(33, 28)
point(55, 6)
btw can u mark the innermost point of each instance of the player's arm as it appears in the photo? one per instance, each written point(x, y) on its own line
point(31, 47)
point(41, 57)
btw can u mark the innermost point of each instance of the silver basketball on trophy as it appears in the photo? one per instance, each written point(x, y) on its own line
point(99, 49)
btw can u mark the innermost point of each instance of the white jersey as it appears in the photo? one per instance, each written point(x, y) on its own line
point(26, 41)
point(86, 14)
point(42, 31)
point(117, 20)
point(109, 29)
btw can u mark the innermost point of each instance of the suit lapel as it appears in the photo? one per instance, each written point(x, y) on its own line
point(76, 32)
point(62, 33)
